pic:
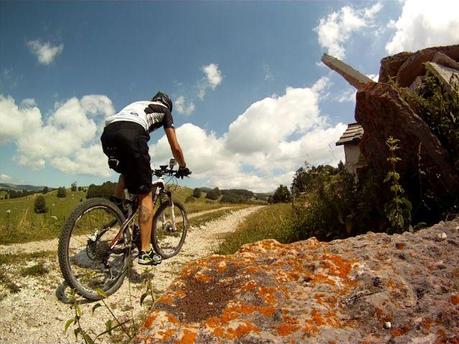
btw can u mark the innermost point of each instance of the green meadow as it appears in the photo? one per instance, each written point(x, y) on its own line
point(19, 222)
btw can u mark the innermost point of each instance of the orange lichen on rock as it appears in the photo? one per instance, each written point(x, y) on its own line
point(166, 298)
point(243, 329)
point(188, 337)
point(203, 277)
point(167, 334)
point(150, 320)
point(321, 278)
point(342, 291)
point(337, 265)
point(400, 331)
point(288, 326)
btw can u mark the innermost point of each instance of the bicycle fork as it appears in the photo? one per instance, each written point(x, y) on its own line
point(163, 217)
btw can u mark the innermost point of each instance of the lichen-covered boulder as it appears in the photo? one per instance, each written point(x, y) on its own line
point(373, 288)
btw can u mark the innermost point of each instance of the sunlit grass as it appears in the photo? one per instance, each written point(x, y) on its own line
point(271, 222)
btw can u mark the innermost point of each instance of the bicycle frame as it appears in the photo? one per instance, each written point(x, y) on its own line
point(159, 187)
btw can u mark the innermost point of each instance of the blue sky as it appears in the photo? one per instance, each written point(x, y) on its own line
point(252, 101)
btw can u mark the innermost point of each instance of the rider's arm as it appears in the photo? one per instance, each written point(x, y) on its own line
point(175, 147)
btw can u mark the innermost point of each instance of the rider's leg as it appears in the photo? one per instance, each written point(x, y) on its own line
point(119, 189)
point(146, 255)
point(118, 195)
point(145, 220)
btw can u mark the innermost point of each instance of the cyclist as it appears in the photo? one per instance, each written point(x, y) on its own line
point(124, 141)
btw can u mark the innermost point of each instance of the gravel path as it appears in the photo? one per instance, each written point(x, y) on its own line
point(46, 245)
point(35, 315)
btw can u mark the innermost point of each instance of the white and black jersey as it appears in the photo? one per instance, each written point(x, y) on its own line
point(150, 115)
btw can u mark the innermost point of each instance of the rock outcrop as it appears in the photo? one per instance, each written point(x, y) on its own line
point(382, 112)
point(429, 166)
point(405, 67)
point(373, 288)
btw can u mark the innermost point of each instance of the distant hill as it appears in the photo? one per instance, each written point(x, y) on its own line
point(17, 187)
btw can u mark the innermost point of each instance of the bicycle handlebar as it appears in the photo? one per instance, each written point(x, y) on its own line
point(165, 170)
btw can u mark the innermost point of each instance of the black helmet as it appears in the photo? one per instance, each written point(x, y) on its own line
point(164, 99)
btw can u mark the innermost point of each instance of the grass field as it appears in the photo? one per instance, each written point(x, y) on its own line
point(19, 222)
point(274, 221)
point(183, 194)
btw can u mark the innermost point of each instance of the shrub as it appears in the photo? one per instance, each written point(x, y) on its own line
point(334, 206)
point(73, 187)
point(45, 190)
point(231, 198)
point(214, 194)
point(61, 192)
point(197, 193)
point(40, 205)
point(105, 190)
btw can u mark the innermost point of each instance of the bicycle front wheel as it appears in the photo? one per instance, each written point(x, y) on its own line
point(170, 225)
point(86, 260)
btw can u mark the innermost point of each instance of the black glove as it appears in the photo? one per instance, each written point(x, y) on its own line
point(182, 172)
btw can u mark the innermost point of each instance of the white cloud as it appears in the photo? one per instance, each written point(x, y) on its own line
point(373, 77)
point(5, 178)
point(14, 119)
point(269, 121)
point(425, 23)
point(263, 146)
point(212, 78)
point(65, 139)
point(213, 75)
point(45, 51)
point(348, 95)
point(336, 29)
point(183, 107)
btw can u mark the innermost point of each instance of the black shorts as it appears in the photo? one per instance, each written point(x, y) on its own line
point(127, 141)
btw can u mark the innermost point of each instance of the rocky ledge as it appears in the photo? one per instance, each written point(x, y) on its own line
point(373, 288)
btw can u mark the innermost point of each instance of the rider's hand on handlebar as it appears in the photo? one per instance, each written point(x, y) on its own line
point(182, 172)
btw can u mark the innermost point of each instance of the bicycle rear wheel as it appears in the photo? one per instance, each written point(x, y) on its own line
point(170, 225)
point(85, 258)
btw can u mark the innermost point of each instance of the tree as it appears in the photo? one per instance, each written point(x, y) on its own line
point(282, 194)
point(73, 187)
point(105, 190)
point(197, 192)
point(40, 205)
point(214, 194)
point(45, 190)
point(61, 192)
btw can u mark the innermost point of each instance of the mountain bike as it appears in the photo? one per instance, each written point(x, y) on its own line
point(99, 241)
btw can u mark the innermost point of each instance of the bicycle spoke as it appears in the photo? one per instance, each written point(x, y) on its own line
point(169, 230)
point(91, 261)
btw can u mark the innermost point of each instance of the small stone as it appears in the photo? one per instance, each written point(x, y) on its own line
point(377, 282)
point(387, 325)
point(442, 236)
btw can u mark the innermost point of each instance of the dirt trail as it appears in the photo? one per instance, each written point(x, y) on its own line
point(35, 315)
point(48, 245)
